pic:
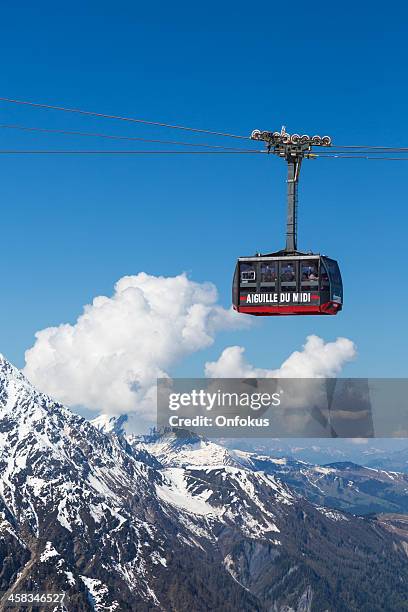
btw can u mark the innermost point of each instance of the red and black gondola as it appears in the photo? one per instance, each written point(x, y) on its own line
point(288, 282)
point(297, 284)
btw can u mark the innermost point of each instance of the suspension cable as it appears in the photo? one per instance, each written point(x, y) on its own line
point(25, 128)
point(96, 152)
point(361, 157)
point(118, 117)
point(371, 147)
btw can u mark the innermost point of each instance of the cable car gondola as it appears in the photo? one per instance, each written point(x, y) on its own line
point(288, 282)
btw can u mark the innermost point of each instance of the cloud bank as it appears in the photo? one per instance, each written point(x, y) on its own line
point(110, 358)
point(317, 359)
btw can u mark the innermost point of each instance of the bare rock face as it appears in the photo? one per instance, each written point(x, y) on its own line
point(172, 524)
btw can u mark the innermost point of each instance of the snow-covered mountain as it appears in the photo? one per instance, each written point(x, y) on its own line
point(134, 524)
point(390, 454)
point(341, 485)
point(182, 448)
point(111, 424)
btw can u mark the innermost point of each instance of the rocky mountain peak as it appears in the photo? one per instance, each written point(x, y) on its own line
point(170, 520)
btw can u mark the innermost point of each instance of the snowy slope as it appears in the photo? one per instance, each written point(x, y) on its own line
point(340, 486)
point(166, 523)
point(61, 477)
point(80, 506)
point(184, 449)
point(110, 424)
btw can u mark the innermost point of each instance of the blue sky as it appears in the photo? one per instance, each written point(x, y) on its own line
point(73, 226)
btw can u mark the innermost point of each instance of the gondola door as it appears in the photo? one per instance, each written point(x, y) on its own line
point(248, 279)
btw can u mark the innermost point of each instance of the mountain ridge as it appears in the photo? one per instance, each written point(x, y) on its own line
point(118, 528)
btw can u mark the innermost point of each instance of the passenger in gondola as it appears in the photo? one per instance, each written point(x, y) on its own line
point(271, 274)
point(288, 273)
point(268, 274)
point(309, 273)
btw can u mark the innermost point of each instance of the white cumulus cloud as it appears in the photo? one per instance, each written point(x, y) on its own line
point(316, 359)
point(110, 358)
